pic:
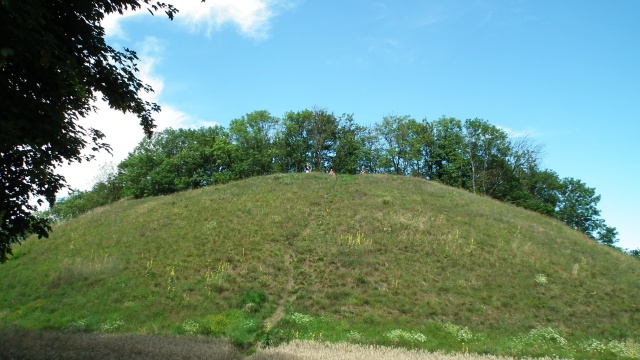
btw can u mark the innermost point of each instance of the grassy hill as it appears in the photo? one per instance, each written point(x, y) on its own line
point(371, 259)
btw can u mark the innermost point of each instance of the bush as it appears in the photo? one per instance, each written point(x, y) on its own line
point(252, 300)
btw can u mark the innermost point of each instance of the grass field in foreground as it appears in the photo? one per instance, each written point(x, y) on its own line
point(373, 260)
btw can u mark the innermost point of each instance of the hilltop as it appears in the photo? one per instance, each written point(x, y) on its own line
point(311, 256)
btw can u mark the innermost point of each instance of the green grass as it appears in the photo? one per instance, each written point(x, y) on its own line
point(360, 256)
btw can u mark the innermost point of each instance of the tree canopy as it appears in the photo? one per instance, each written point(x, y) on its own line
point(472, 154)
point(54, 65)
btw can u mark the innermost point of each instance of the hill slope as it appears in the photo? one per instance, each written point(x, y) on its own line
point(361, 254)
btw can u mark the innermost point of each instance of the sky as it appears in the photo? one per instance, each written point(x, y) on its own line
point(567, 73)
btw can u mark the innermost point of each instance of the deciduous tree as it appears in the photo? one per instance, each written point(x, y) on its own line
point(176, 160)
point(577, 206)
point(351, 154)
point(254, 136)
point(54, 63)
point(449, 156)
point(294, 143)
point(488, 149)
point(399, 144)
point(322, 132)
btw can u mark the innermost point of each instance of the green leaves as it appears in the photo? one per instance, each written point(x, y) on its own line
point(53, 62)
point(254, 138)
point(176, 160)
point(5, 53)
point(578, 206)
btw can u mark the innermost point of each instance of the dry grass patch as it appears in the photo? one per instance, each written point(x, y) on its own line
point(310, 350)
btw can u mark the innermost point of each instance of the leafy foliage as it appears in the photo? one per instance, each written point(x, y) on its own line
point(254, 139)
point(176, 160)
point(577, 207)
point(54, 63)
point(473, 155)
point(252, 300)
point(308, 139)
point(352, 153)
point(106, 190)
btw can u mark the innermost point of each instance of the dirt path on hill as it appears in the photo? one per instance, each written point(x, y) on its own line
point(279, 313)
point(288, 259)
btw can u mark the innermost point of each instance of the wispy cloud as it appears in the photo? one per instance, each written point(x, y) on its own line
point(514, 134)
point(390, 48)
point(251, 17)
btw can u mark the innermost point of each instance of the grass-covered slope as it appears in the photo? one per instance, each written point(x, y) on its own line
point(355, 255)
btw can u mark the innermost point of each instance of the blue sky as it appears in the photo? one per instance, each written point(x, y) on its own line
point(565, 72)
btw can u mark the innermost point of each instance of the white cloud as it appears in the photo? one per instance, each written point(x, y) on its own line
point(111, 23)
point(123, 131)
point(252, 17)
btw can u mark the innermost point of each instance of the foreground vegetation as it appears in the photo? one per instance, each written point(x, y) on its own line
point(48, 345)
point(365, 259)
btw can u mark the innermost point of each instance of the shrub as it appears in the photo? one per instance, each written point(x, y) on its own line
point(300, 319)
point(190, 327)
point(397, 335)
point(215, 324)
point(623, 349)
point(463, 334)
point(540, 338)
point(252, 300)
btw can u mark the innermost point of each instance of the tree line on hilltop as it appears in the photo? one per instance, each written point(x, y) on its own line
point(472, 155)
